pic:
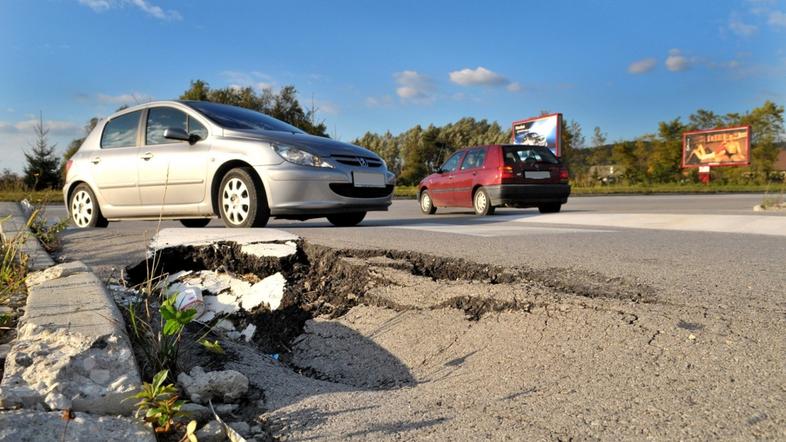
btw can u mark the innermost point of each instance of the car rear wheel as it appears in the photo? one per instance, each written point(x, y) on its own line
point(346, 219)
point(242, 200)
point(482, 203)
point(550, 208)
point(426, 203)
point(195, 222)
point(84, 208)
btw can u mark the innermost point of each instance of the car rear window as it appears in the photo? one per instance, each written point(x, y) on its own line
point(121, 131)
point(517, 154)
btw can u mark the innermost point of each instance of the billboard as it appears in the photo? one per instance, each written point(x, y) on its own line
point(717, 147)
point(539, 131)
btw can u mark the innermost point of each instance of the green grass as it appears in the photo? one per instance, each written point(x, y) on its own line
point(45, 196)
point(411, 191)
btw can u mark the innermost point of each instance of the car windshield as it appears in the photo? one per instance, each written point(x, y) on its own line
point(516, 154)
point(233, 117)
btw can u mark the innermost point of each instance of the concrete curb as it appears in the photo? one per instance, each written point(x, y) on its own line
point(39, 259)
point(71, 352)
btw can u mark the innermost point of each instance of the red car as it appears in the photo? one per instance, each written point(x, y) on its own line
point(486, 177)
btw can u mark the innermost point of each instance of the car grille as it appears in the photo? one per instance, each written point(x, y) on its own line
point(350, 191)
point(350, 160)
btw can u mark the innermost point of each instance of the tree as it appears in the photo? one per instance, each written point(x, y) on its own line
point(598, 137)
point(42, 169)
point(664, 162)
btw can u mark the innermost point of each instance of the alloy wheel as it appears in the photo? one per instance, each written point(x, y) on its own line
point(82, 208)
point(236, 201)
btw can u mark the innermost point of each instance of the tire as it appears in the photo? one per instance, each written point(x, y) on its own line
point(482, 203)
point(346, 219)
point(241, 199)
point(195, 222)
point(426, 203)
point(83, 208)
point(550, 208)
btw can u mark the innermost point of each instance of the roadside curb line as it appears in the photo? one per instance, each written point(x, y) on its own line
point(39, 259)
point(71, 353)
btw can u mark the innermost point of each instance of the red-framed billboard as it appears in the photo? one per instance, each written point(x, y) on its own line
point(538, 131)
point(717, 147)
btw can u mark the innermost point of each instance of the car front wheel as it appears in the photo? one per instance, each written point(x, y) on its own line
point(84, 209)
point(346, 219)
point(242, 200)
point(426, 203)
point(482, 203)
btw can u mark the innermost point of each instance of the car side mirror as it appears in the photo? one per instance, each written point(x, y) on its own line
point(176, 133)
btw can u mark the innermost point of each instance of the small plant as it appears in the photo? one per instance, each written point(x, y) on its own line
point(47, 233)
point(190, 435)
point(212, 347)
point(159, 403)
point(13, 264)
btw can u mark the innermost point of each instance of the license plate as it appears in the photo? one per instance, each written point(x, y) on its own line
point(366, 179)
point(537, 175)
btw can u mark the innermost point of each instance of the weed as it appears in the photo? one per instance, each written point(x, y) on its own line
point(47, 233)
point(13, 266)
point(159, 403)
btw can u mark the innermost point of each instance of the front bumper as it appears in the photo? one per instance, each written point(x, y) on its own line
point(528, 195)
point(304, 191)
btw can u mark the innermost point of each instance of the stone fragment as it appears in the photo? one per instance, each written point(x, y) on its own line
point(241, 427)
point(248, 333)
point(196, 412)
point(201, 386)
point(176, 237)
point(55, 272)
point(270, 250)
point(269, 291)
point(212, 431)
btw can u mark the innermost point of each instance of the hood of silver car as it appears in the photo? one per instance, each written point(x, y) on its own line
point(319, 145)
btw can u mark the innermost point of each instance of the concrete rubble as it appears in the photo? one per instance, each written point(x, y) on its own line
point(201, 386)
point(25, 425)
point(71, 351)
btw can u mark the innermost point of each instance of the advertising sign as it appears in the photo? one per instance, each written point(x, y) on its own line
point(539, 131)
point(717, 147)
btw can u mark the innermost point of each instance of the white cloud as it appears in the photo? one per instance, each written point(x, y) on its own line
point(677, 62)
point(129, 99)
point(254, 79)
point(414, 87)
point(481, 76)
point(642, 66)
point(777, 19)
point(55, 127)
point(478, 76)
point(741, 28)
point(143, 5)
point(96, 5)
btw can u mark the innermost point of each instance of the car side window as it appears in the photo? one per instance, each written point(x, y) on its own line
point(160, 119)
point(196, 128)
point(474, 159)
point(452, 163)
point(121, 131)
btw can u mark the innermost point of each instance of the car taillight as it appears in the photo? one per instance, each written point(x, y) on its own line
point(68, 166)
point(564, 176)
point(506, 172)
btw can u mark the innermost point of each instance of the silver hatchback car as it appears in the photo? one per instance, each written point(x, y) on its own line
point(195, 160)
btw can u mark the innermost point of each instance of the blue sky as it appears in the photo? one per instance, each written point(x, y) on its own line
point(388, 65)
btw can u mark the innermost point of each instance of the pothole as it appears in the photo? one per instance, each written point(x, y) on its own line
point(299, 327)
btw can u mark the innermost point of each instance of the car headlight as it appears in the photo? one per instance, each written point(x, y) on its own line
point(300, 156)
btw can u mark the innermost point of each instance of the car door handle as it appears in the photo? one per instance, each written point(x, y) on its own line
point(96, 160)
point(147, 155)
